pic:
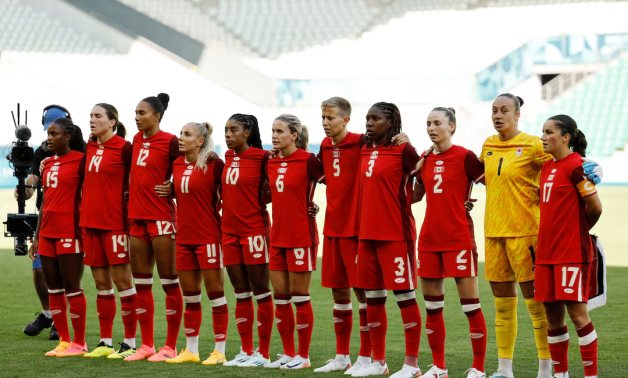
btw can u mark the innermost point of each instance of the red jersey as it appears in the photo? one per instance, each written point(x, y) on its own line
point(448, 178)
point(104, 203)
point(386, 193)
point(243, 181)
point(198, 201)
point(62, 179)
point(292, 183)
point(341, 163)
point(150, 166)
point(563, 230)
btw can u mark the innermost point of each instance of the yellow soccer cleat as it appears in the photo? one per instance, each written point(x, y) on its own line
point(63, 345)
point(101, 350)
point(184, 356)
point(122, 353)
point(215, 358)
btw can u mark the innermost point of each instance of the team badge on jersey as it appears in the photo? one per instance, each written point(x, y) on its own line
point(519, 151)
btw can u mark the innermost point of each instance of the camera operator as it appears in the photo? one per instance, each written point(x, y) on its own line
point(33, 184)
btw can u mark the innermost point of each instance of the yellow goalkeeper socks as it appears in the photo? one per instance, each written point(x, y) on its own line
point(539, 322)
point(506, 326)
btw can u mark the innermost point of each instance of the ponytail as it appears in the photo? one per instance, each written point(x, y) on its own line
point(567, 125)
point(112, 114)
point(205, 131)
point(295, 126)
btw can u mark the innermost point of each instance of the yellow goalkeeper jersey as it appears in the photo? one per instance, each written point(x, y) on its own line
point(512, 185)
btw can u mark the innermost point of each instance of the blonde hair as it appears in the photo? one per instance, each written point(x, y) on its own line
point(295, 126)
point(205, 131)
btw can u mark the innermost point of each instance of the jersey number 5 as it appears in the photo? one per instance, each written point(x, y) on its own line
point(336, 165)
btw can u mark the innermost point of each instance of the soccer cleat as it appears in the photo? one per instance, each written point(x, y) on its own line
point(63, 345)
point(475, 373)
point(215, 358)
point(54, 335)
point(407, 371)
point(122, 353)
point(375, 368)
point(240, 358)
point(101, 350)
point(340, 363)
point(142, 353)
point(255, 360)
point(164, 353)
point(74, 350)
point(278, 363)
point(297, 362)
point(499, 374)
point(40, 323)
point(184, 356)
point(360, 363)
point(436, 372)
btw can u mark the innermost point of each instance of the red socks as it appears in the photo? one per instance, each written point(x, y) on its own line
point(265, 318)
point(587, 338)
point(193, 316)
point(78, 314)
point(284, 317)
point(435, 328)
point(365, 339)
point(305, 322)
point(106, 308)
point(58, 309)
point(477, 330)
point(377, 322)
point(244, 314)
point(220, 315)
point(174, 308)
point(343, 323)
point(558, 340)
point(129, 319)
point(411, 318)
point(145, 307)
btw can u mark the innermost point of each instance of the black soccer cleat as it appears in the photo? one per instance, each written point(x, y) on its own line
point(54, 335)
point(40, 323)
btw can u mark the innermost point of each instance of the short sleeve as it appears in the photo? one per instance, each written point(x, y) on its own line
point(174, 149)
point(473, 167)
point(315, 169)
point(127, 155)
point(409, 158)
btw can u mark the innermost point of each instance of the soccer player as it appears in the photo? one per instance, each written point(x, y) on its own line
point(196, 181)
point(569, 207)
point(293, 175)
point(512, 162)
point(33, 184)
point(57, 238)
point(386, 249)
point(340, 155)
point(446, 242)
point(245, 236)
point(105, 227)
point(152, 227)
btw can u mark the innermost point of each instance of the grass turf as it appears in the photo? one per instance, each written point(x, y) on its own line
point(24, 356)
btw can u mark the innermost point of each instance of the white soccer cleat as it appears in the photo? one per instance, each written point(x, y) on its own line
point(238, 359)
point(375, 368)
point(475, 373)
point(255, 360)
point(407, 371)
point(435, 372)
point(278, 363)
point(500, 374)
point(297, 362)
point(361, 363)
point(340, 363)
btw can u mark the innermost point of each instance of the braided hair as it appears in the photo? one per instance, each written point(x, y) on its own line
point(249, 122)
point(76, 135)
point(391, 112)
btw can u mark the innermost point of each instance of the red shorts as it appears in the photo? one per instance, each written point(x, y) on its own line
point(389, 265)
point(293, 259)
point(251, 250)
point(199, 257)
point(105, 247)
point(339, 262)
point(448, 264)
point(562, 282)
point(147, 230)
point(53, 247)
